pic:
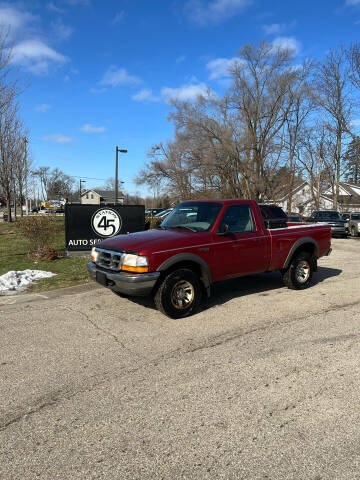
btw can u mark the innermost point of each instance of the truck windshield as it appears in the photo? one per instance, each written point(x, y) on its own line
point(355, 216)
point(196, 217)
point(329, 215)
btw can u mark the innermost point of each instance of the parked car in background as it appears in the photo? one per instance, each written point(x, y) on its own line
point(354, 224)
point(159, 217)
point(345, 216)
point(152, 211)
point(332, 218)
point(203, 242)
point(150, 214)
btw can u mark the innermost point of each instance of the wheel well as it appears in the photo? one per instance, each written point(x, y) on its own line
point(306, 247)
point(195, 267)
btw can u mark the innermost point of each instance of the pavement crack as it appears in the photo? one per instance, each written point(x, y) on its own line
point(104, 331)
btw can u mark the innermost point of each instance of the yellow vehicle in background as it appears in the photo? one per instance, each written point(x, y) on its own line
point(154, 220)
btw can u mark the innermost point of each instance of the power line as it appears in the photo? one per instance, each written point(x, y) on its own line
point(88, 178)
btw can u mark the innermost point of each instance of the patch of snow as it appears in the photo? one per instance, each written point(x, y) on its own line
point(17, 281)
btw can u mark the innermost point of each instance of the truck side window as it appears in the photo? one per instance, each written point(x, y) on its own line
point(239, 219)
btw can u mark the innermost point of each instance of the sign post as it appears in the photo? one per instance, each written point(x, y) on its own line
point(87, 225)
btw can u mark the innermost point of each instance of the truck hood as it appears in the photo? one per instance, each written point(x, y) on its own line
point(333, 222)
point(151, 241)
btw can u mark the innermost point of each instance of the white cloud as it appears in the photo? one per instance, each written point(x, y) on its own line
point(114, 77)
point(272, 28)
point(54, 8)
point(61, 31)
point(287, 43)
point(18, 21)
point(220, 67)
point(214, 11)
point(277, 28)
point(75, 3)
point(30, 48)
point(87, 128)
point(145, 95)
point(57, 138)
point(36, 56)
point(119, 17)
point(44, 107)
point(97, 90)
point(352, 2)
point(355, 122)
point(181, 59)
point(185, 92)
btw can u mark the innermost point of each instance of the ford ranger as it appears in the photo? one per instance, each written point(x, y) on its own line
point(203, 242)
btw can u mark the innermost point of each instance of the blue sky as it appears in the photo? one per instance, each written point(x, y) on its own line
point(100, 73)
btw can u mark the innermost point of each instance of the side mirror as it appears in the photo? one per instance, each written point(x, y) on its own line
point(224, 229)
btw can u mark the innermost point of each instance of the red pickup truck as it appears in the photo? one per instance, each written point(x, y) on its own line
point(202, 242)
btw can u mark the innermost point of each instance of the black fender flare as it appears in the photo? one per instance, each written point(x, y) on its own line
point(206, 276)
point(299, 243)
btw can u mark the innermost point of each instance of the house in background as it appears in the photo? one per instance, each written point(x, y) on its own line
point(303, 201)
point(304, 204)
point(349, 197)
point(97, 197)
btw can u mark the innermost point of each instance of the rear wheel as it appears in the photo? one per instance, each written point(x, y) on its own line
point(299, 274)
point(179, 295)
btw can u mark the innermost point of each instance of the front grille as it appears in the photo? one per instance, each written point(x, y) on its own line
point(109, 259)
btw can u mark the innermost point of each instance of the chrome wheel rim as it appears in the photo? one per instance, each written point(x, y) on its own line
point(302, 271)
point(182, 294)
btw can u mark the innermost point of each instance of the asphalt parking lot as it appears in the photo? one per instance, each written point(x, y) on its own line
point(263, 383)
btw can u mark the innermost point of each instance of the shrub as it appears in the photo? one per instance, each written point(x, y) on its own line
point(40, 232)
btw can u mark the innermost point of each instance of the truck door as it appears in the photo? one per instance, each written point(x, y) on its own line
point(244, 249)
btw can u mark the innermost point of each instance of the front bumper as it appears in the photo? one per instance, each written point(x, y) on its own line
point(338, 230)
point(136, 285)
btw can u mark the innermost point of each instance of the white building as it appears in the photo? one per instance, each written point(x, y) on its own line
point(97, 197)
point(303, 201)
point(304, 204)
point(349, 196)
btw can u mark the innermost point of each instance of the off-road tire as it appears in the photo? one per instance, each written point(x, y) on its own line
point(290, 275)
point(165, 293)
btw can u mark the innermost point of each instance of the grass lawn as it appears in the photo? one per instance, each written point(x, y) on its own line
point(14, 256)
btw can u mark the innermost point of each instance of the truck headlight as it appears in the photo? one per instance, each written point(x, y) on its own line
point(135, 263)
point(94, 254)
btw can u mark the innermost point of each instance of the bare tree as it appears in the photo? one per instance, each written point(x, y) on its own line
point(43, 174)
point(9, 121)
point(262, 97)
point(335, 99)
point(303, 105)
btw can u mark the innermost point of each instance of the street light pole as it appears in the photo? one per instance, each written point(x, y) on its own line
point(116, 193)
point(80, 189)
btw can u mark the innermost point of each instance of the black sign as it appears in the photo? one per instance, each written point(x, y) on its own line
point(87, 225)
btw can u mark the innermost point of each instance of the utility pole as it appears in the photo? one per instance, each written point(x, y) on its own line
point(26, 178)
point(80, 188)
point(116, 193)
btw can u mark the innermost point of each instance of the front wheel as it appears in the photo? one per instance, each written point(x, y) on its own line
point(179, 295)
point(299, 274)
